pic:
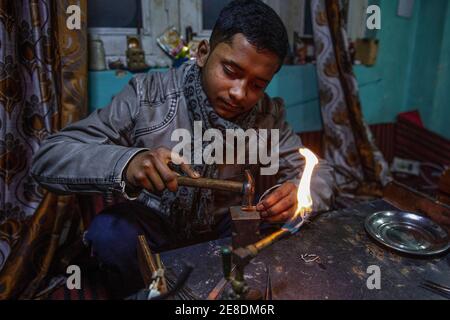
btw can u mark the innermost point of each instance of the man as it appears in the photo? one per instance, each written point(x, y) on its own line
point(127, 146)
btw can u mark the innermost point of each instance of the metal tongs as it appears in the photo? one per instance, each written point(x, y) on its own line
point(152, 269)
point(158, 285)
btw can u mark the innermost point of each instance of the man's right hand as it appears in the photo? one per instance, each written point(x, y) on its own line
point(149, 170)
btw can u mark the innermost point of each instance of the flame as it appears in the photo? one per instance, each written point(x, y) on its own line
point(304, 199)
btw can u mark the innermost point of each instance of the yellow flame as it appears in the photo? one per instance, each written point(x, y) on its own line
point(305, 202)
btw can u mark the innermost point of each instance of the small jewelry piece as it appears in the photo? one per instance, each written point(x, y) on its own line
point(309, 258)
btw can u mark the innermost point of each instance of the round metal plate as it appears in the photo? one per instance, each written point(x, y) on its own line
point(408, 232)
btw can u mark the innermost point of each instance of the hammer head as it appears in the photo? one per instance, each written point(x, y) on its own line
point(248, 192)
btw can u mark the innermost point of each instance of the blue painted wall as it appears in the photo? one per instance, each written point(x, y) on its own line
point(383, 87)
point(440, 115)
point(385, 98)
point(412, 72)
point(430, 70)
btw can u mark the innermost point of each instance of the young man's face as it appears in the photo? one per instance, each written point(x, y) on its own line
point(235, 76)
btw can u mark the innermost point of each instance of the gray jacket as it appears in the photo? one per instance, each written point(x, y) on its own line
point(89, 156)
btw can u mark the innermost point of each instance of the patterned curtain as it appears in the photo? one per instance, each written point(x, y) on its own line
point(43, 87)
point(359, 165)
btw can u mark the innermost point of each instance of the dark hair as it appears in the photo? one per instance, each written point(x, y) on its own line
point(259, 23)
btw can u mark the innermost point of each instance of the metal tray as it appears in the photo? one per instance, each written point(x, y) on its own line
point(408, 232)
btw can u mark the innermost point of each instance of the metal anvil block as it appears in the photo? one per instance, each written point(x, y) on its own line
point(245, 227)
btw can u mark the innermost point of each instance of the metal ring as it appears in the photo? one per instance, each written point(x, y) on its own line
point(266, 193)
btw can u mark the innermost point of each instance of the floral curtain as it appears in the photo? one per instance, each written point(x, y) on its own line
point(349, 146)
point(43, 87)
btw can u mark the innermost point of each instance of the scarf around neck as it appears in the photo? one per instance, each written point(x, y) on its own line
point(188, 210)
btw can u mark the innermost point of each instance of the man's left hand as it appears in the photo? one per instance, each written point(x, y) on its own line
point(280, 205)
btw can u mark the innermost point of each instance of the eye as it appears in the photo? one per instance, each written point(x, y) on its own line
point(258, 87)
point(228, 71)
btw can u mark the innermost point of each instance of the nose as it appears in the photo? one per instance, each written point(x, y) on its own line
point(238, 91)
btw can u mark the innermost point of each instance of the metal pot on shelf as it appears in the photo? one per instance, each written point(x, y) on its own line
point(97, 59)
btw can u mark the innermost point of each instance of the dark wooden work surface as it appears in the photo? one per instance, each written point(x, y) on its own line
point(345, 251)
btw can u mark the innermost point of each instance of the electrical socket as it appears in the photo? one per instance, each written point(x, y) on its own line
point(406, 166)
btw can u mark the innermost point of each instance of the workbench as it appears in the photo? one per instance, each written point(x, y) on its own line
point(345, 252)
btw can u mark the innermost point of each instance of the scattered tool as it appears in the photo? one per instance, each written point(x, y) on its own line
point(160, 283)
point(269, 293)
point(436, 288)
point(216, 293)
point(151, 269)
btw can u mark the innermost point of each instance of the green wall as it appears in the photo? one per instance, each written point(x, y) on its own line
point(383, 88)
point(297, 85)
point(413, 66)
point(385, 99)
point(412, 72)
point(430, 71)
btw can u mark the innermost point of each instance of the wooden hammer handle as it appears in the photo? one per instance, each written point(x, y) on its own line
point(213, 184)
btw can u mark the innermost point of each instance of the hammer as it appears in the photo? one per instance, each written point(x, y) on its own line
point(246, 188)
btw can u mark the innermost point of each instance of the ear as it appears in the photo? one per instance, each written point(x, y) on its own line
point(203, 53)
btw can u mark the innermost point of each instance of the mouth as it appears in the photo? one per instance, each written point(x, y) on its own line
point(230, 107)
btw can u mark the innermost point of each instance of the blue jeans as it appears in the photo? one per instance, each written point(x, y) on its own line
point(113, 236)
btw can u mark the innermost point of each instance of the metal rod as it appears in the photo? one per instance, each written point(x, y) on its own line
point(268, 294)
point(218, 289)
point(148, 256)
